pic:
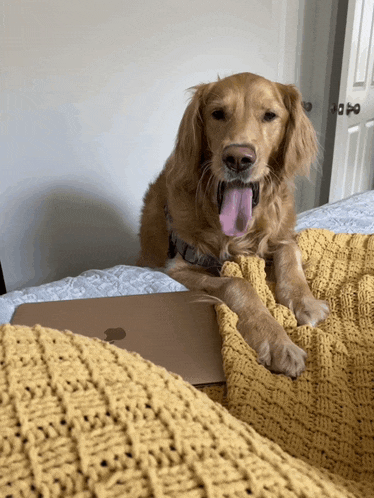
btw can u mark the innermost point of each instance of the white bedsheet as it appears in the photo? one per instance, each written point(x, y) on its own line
point(352, 215)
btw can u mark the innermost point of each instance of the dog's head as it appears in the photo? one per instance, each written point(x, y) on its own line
point(245, 128)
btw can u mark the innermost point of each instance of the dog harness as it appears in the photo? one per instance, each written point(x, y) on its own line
point(177, 245)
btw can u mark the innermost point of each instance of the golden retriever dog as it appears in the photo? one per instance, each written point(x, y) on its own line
point(227, 190)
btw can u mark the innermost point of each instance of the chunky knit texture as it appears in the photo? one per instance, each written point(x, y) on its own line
point(81, 418)
point(326, 417)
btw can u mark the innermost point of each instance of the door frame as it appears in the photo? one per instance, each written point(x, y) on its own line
point(353, 160)
point(333, 91)
point(322, 30)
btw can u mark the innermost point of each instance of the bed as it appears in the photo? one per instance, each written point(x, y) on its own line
point(354, 214)
point(81, 418)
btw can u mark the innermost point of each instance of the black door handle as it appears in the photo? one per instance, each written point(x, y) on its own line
point(353, 108)
point(308, 106)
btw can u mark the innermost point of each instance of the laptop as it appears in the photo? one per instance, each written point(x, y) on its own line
point(173, 329)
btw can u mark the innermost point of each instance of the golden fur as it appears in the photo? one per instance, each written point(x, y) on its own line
point(268, 119)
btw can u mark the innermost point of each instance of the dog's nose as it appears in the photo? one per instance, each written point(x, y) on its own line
point(238, 158)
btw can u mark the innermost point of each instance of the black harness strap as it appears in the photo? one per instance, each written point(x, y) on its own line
point(188, 252)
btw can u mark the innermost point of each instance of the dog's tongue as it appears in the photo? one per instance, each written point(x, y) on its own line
point(236, 210)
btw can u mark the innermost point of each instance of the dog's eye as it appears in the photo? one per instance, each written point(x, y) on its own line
point(269, 116)
point(219, 114)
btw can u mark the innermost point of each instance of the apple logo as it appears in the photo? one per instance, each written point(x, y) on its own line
point(112, 335)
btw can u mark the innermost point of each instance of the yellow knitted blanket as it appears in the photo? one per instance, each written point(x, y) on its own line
point(80, 418)
point(326, 417)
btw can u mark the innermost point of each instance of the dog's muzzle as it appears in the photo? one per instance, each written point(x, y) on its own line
point(238, 158)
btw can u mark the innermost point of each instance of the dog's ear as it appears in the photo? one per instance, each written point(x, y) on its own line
point(188, 152)
point(300, 142)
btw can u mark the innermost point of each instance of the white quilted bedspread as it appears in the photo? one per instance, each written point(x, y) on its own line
point(352, 215)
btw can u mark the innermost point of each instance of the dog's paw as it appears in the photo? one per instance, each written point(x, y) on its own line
point(309, 310)
point(284, 358)
point(299, 299)
point(274, 348)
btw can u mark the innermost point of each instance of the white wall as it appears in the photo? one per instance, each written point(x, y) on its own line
point(92, 92)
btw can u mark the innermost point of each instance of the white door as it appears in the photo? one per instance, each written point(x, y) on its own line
point(353, 160)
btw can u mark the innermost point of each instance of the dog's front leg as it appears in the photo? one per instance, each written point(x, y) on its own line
point(292, 289)
point(261, 331)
